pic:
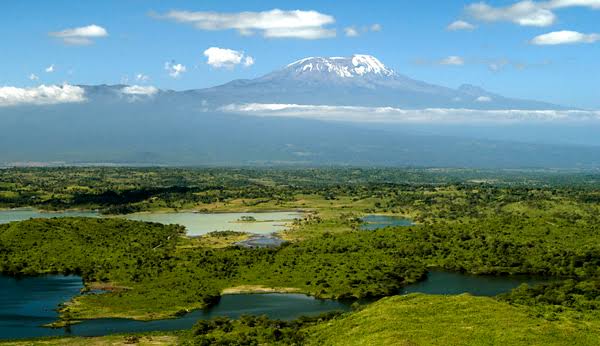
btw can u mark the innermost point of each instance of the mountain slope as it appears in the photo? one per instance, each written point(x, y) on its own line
point(359, 80)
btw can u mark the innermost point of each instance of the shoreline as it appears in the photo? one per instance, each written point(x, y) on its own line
point(259, 289)
point(216, 212)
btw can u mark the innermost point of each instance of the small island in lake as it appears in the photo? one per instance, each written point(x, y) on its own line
point(247, 218)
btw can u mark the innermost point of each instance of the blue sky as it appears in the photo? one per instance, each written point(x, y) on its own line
point(141, 36)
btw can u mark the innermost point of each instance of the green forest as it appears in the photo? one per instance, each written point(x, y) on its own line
point(538, 223)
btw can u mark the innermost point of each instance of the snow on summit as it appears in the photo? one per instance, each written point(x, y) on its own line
point(345, 67)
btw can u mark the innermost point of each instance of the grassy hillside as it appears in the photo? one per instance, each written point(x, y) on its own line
point(451, 320)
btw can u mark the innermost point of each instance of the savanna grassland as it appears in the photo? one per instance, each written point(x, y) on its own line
point(482, 222)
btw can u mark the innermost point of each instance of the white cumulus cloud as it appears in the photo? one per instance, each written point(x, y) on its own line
point(376, 27)
point(140, 77)
point(33, 76)
point(351, 31)
point(564, 37)
point(80, 36)
point(248, 61)
point(595, 4)
point(139, 90)
point(49, 69)
point(399, 115)
point(495, 65)
point(527, 12)
point(175, 70)
point(41, 95)
point(274, 23)
point(483, 99)
point(354, 31)
point(226, 58)
point(453, 60)
point(460, 25)
point(499, 64)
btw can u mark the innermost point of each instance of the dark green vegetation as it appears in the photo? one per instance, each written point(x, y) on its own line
point(577, 295)
point(153, 278)
point(538, 223)
point(96, 249)
point(252, 330)
point(124, 190)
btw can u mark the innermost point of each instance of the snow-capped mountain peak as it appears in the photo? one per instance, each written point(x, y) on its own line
point(358, 80)
point(344, 67)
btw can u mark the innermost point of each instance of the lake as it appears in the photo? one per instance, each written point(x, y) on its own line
point(373, 222)
point(261, 241)
point(195, 223)
point(28, 303)
point(11, 215)
point(202, 223)
point(440, 282)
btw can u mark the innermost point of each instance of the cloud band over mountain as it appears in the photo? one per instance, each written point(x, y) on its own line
point(398, 115)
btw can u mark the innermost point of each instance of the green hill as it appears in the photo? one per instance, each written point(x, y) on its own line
point(419, 319)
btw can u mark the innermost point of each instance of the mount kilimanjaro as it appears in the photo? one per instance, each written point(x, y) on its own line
point(359, 80)
point(124, 124)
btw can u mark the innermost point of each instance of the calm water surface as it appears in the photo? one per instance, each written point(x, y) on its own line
point(199, 223)
point(439, 282)
point(27, 304)
point(373, 222)
point(195, 223)
point(261, 241)
point(11, 215)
